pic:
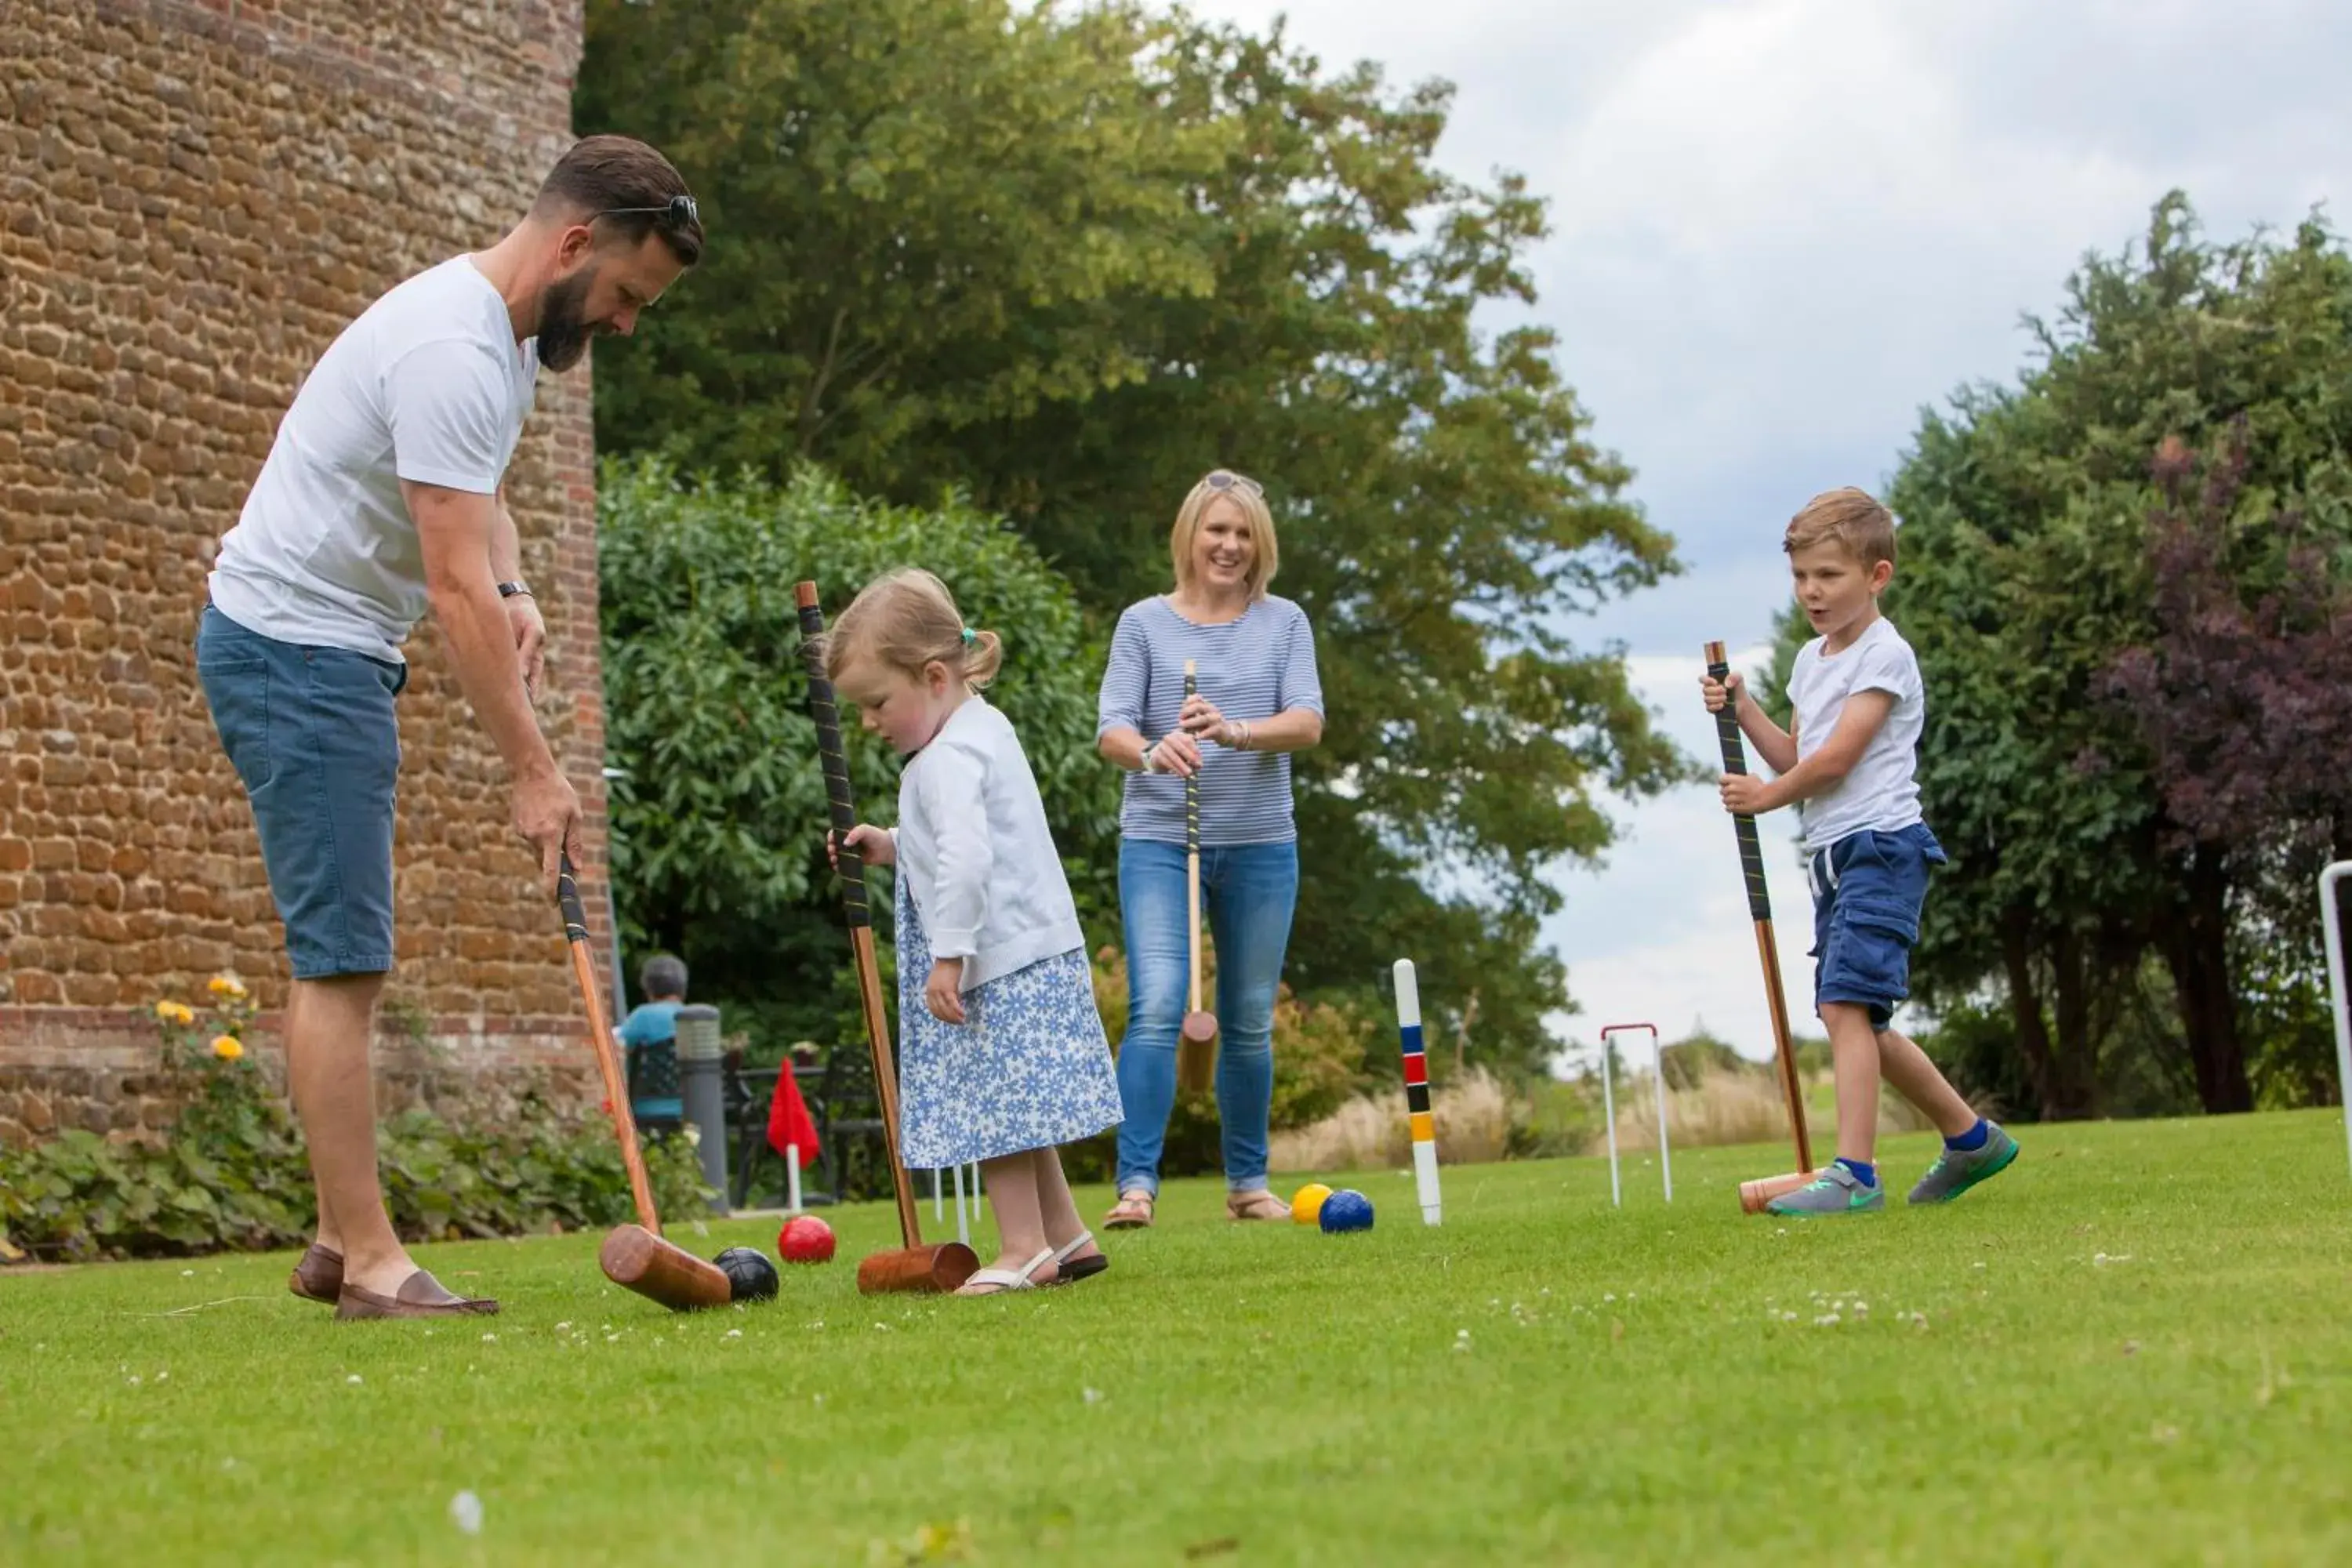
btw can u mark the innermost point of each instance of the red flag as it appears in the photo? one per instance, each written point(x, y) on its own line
point(788, 1118)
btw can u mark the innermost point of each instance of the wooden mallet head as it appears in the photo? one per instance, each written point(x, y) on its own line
point(939, 1267)
point(636, 1259)
point(1754, 1194)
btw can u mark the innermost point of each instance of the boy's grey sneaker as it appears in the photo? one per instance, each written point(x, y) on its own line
point(1957, 1170)
point(1836, 1191)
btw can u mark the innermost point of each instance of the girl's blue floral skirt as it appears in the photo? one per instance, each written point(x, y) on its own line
point(1029, 1069)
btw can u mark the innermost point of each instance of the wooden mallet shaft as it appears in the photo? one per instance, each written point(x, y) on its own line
point(634, 1257)
point(1196, 1043)
point(1759, 909)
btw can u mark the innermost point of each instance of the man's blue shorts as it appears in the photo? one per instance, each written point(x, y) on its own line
point(311, 733)
point(1868, 888)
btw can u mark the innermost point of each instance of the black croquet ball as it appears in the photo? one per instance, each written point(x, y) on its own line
point(747, 1270)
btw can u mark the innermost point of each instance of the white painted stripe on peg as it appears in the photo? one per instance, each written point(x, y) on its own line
point(1408, 996)
point(1424, 1170)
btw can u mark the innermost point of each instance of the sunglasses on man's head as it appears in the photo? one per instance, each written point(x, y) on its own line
point(678, 213)
point(1226, 479)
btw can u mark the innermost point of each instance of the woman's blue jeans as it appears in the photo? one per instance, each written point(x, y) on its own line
point(1248, 891)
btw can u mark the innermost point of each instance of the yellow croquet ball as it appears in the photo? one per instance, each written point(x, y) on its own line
point(1307, 1206)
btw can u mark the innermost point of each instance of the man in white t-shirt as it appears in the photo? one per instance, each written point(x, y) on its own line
point(1860, 708)
point(382, 498)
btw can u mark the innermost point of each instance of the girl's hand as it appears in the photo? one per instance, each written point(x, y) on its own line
point(943, 992)
point(1178, 753)
point(1745, 795)
point(1720, 693)
point(874, 844)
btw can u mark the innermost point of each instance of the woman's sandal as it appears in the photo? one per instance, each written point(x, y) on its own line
point(1000, 1280)
point(1070, 1270)
point(1259, 1205)
point(1132, 1212)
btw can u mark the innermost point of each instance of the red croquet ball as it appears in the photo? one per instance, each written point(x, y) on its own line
point(805, 1239)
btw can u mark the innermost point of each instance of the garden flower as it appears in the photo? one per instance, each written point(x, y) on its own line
point(175, 1013)
point(226, 985)
point(228, 1048)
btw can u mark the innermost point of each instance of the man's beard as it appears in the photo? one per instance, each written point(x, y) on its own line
point(563, 330)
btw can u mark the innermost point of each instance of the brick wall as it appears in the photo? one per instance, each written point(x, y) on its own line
point(195, 198)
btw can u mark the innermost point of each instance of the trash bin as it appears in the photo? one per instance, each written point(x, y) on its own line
point(701, 1087)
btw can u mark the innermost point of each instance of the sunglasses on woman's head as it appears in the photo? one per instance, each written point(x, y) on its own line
point(678, 213)
point(1226, 479)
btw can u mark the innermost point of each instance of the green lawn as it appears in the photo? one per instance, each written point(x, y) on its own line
point(2135, 1347)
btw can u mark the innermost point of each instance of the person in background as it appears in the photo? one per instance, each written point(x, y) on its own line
point(651, 1024)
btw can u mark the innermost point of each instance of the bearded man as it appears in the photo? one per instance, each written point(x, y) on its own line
point(383, 497)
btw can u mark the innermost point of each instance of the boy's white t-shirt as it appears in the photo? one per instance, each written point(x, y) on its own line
point(428, 384)
point(1882, 792)
point(976, 851)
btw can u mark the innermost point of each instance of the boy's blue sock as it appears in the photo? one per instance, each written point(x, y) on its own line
point(1867, 1174)
point(1971, 1140)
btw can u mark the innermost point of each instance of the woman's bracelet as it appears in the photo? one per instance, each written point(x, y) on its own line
point(1241, 736)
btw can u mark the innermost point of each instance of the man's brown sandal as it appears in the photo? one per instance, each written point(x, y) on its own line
point(1132, 1212)
point(420, 1296)
point(318, 1277)
point(1259, 1205)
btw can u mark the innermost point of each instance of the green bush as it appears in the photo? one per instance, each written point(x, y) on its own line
point(231, 1173)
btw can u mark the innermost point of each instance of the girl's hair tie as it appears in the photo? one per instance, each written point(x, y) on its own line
point(970, 637)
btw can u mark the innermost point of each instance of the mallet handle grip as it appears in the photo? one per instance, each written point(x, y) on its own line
point(1759, 909)
point(843, 807)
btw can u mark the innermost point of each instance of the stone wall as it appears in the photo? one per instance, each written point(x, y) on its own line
point(195, 198)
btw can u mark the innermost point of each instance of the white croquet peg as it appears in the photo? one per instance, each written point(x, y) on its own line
point(1416, 1092)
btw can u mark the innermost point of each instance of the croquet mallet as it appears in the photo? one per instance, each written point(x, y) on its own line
point(634, 1257)
point(1754, 1194)
point(1196, 1044)
point(913, 1267)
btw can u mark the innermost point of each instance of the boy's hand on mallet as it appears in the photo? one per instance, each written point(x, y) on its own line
point(944, 992)
point(1745, 795)
point(1719, 693)
point(873, 845)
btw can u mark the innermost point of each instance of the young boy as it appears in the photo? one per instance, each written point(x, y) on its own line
point(1859, 708)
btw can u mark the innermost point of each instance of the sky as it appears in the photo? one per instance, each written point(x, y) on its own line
point(1781, 229)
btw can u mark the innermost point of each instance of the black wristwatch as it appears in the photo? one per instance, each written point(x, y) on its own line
point(514, 590)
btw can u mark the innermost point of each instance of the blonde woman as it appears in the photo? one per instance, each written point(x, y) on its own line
point(1260, 699)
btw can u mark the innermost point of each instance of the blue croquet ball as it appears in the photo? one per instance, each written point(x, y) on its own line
point(1346, 1210)
point(749, 1274)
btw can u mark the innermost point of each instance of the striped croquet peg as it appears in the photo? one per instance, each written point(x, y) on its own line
point(1416, 1089)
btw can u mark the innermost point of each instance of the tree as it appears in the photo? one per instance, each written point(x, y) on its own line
point(716, 826)
point(2081, 699)
point(2243, 700)
point(1080, 259)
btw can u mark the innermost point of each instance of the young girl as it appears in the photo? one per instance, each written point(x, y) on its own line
point(1001, 1055)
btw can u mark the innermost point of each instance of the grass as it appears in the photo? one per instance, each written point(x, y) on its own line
point(2137, 1346)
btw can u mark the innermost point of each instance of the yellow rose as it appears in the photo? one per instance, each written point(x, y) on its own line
point(180, 1012)
point(163, 1010)
point(228, 1048)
